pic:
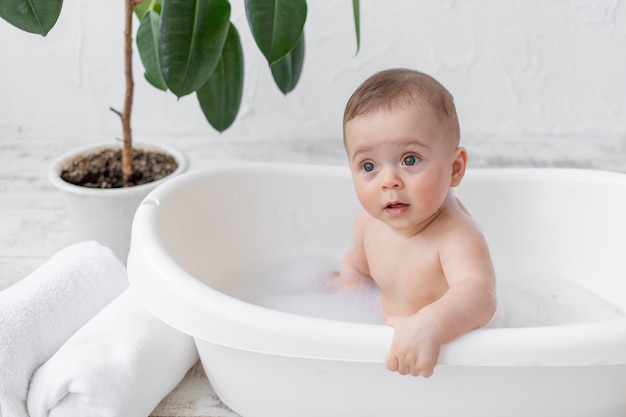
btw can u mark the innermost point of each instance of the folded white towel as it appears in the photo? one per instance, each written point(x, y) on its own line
point(122, 363)
point(41, 311)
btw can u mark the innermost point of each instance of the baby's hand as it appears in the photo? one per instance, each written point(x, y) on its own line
point(331, 281)
point(416, 344)
point(350, 277)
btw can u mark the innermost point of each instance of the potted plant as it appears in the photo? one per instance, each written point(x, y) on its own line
point(186, 46)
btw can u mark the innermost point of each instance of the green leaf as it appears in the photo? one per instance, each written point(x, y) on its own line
point(145, 6)
point(276, 25)
point(34, 16)
point(147, 35)
point(220, 97)
point(286, 72)
point(356, 8)
point(191, 39)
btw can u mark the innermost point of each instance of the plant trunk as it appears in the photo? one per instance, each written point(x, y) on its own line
point(127, 152)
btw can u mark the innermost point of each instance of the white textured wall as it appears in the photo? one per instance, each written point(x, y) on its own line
point(522, 68)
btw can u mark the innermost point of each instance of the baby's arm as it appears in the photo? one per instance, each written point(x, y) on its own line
point(355, 270)
point(468, 304)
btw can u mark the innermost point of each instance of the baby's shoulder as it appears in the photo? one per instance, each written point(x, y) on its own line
point(461, 230)
point(361, 221)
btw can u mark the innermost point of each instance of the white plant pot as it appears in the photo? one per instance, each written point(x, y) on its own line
point(106, 214)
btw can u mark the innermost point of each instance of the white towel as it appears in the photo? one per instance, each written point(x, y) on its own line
point(41, 311)
point(122, 363)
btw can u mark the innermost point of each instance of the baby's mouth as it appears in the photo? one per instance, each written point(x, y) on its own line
point(396, 207)
point(395, 204)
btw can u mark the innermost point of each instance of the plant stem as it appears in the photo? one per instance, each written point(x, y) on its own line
point(127, 152)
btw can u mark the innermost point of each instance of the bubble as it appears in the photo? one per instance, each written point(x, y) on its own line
point(528, 297)
point(308, 287)
point(535, 297)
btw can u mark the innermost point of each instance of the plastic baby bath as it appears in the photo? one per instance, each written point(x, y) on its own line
point(196, 235)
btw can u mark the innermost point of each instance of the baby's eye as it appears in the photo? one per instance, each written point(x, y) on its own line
point(368, 166)
point(410, 160)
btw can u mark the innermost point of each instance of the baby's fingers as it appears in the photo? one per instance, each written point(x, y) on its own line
point(402, 365)
point(427, 370)
point(392, 362)
point(408, 363)
point(427, 360)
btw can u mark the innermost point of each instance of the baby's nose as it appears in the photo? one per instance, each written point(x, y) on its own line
point(391, 179)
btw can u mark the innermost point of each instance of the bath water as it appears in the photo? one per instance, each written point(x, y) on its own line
point(533, 297)
point(308, 287)
point(529, 297)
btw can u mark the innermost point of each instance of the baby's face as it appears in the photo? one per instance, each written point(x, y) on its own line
point(401, 163)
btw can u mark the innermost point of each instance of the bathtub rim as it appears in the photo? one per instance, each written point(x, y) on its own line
point(157, 280)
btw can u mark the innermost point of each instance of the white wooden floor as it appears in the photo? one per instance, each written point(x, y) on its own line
point(34, 224)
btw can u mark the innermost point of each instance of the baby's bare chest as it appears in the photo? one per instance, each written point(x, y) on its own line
point(408, 268)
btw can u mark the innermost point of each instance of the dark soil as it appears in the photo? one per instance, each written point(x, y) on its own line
point(103, 169)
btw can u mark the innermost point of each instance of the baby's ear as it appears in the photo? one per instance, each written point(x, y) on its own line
point(459, 164)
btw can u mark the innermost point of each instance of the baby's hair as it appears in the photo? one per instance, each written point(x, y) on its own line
point(400, 87)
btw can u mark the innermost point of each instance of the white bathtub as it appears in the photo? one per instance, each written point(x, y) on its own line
point(194, 234)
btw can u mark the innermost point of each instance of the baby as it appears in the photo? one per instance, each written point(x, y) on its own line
point(413, 237)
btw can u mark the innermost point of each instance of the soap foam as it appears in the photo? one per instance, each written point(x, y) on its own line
point(308, 288)
point(529, 298)
point(533, 297)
